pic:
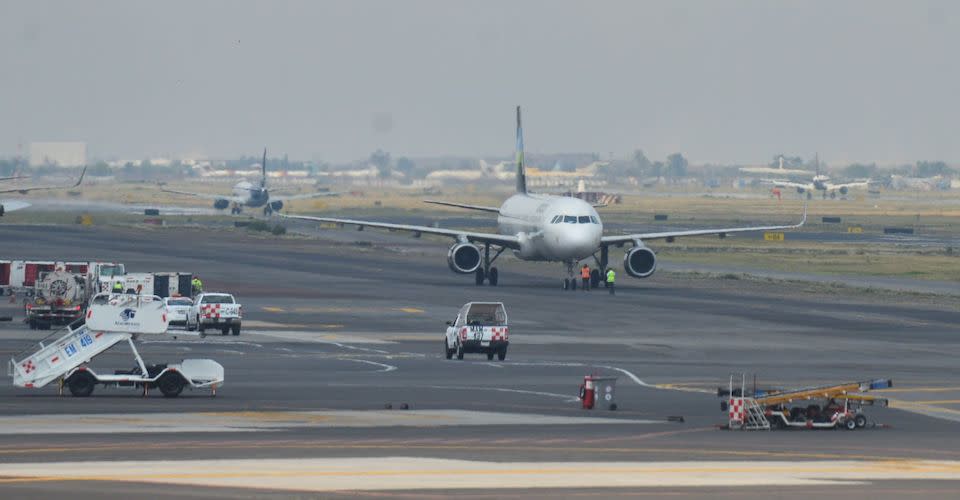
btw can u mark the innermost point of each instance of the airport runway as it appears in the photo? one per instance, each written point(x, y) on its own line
point(335, 331)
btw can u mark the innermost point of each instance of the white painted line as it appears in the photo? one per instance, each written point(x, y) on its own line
point(386, 367)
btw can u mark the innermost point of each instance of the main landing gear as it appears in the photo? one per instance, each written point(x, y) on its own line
point(235, 209)
point(486, 272)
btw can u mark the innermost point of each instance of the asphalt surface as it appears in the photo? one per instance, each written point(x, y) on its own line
point(336, 330)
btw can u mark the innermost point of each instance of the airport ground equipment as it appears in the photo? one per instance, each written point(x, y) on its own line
point(822, 407)
point(59, 298)
point(215, 310)
point(598, 391)
point(111, 319)
point(480, 327)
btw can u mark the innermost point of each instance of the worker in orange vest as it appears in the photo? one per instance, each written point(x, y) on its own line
point(585, 275)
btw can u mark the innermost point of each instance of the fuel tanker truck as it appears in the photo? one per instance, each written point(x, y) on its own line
point(59, 298)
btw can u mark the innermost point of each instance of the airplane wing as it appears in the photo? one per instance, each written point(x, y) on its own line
point(12, 177)
point(626, 238)
point(464, 205)
point(849, 185)
point(206, 196)
point(25, 190)
point(780, 183)
point(305, 196)
point(496, 239)
point(10, 206)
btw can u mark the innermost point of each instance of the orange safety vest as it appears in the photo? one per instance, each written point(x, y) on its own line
point(585, 273)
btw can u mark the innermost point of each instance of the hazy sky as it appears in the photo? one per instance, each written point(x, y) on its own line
point(718, 81)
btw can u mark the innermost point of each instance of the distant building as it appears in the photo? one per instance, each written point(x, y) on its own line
point(61, 154)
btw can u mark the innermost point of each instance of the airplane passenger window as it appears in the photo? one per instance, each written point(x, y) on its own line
point(570, 219)
point(584, 219)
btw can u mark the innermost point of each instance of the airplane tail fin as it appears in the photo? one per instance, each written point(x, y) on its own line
point(521, 173)
point(263, 169)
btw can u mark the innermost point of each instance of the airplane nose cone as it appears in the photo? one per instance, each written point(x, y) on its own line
point(581, 242)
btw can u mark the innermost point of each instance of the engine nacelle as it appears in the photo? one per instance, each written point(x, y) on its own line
point(276, 205)
point(640, 262)
point(221, 204)
point(463, 258)
point(844, 190)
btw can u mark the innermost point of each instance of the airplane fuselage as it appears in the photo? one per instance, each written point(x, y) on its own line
point(551, 228)
point(253, 196)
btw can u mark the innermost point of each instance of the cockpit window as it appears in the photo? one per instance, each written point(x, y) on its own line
point(584, 219)
point(570, 219)
point(556, 219)
point(594, 219)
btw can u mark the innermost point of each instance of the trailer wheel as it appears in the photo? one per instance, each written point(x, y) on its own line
point(225, 330)
point(235, 329)
point(170, 384)
point(850, 424)
point(81, 384)
point(502, 354)
point(861, 420)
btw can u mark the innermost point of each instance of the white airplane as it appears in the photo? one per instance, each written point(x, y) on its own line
point(539, 227)
point(247, 194)
point(774, 171)
point(821, 182)
point(10, 206)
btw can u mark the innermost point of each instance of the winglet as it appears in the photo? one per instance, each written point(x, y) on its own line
point(82, 173)
point(521, 173)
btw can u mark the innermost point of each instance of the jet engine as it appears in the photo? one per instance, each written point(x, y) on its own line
point(463, 258)
point(844, 190)
point(640, 262)
point(221, 204)
point(276, 205)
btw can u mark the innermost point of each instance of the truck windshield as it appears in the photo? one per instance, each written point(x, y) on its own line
point(217, 299)
point(111, 271)
point(487, 315)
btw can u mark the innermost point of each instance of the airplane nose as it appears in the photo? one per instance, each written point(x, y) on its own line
point(581, 242)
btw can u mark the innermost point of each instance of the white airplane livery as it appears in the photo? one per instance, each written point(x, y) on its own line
point(247, 194)
point(539, 227)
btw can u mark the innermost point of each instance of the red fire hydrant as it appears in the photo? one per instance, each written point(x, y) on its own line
point(587, 393)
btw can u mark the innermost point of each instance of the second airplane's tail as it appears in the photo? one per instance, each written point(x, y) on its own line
point(521, 173)
point(263, 169)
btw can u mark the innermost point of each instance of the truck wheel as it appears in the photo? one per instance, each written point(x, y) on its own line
point(200, 327)
point(502, 354)
point(447, 351)
point(81, 384)
point(235, 329)
point(850, 424)
point(170, 385)
point(225, 330)
point(490, 356)
point(459, 350)
point(190, 327)
point(861, 420)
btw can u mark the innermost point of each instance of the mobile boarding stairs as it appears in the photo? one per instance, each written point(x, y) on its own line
point(111, 319)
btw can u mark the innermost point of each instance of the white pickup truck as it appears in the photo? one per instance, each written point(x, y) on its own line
point(480, 327)
point(215, 311)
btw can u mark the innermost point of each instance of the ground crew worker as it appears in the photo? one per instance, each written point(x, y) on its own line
point(611, 279)
point(585, 275)
point(118, 287)
point(196, 284)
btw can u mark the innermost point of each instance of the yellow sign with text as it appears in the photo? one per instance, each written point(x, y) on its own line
point(773, 236)
point(855, 229)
